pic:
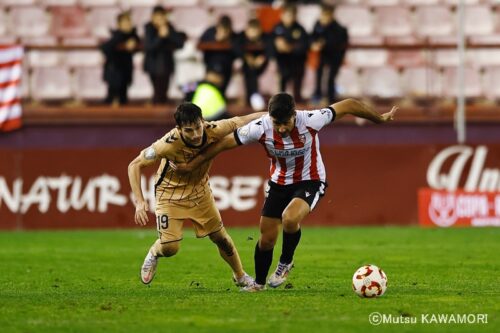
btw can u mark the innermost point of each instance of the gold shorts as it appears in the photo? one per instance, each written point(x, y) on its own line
point(202, 212)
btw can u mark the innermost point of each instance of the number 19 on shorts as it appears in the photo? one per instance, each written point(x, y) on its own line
point(162, 221)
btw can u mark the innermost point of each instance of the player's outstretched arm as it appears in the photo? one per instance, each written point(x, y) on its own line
point(243, 120)
point(226, 143)
point(356, 108)
point(134, 177)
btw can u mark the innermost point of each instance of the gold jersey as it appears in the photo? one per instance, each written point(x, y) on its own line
point(170, 186)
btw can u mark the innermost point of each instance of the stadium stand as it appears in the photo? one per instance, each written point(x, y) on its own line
point(412, 42)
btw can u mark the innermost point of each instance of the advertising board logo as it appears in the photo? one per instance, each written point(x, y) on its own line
point(442, 209)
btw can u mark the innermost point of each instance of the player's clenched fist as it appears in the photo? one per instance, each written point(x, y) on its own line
point(141, 213)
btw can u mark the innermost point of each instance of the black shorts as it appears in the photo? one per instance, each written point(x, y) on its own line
point(279, 196)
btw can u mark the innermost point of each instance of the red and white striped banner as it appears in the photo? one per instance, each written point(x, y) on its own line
point(10, 87)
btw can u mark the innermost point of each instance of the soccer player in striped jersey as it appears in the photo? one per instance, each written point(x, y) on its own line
point(297, 173)
point(185, 196)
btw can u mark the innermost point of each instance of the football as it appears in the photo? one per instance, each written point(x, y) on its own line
point(369, 281)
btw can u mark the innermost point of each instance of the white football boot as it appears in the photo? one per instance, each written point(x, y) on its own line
point(280, 274)
point(244, 281)
point(148, 269)
point(253, 288)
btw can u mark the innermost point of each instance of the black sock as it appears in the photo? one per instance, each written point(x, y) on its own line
point(263, 261)
point(290, 242)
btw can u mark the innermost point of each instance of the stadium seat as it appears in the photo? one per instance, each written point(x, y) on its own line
point(478, 20)
point(239, 16)
point(420, 2)
point(141, 16)
point(98, 3)
point(348, 2)
point(69, 21)
point(25, 82)
point(348, 82)
point(381, 82)
point(187, 72)
point(367, 58)
point(446, 58)
point(191, 20)
point(307, 15)
point(29, 21)
point(433, 21)
point(372, 40)
point(223, 3)
point(51, 83)
point(84, 58)
point(57, 2)
point(188, 52)
point(236, 87)
point(421, 82)
point(38, 58)
point(485, 57)
point(472, 82)
point(102, 20)
point(141, 88)
point(406, 58)
point(138, 60)
point(8, 40)
point(9, 3)
point(269, 80)
point(391, 21)
point(382, 2)
point(88, 41)
point(180, 3)
point(89, 84)
point(175, 92)
point(357, 19)
point(466, 2)
point(491, 83)
point(308, 83)
point(3, 23)
point(488, 40)
point(138, 3)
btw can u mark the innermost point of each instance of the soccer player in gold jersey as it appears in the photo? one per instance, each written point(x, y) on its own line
point(185, 196)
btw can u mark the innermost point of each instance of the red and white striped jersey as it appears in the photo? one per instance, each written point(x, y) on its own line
point(294, 158)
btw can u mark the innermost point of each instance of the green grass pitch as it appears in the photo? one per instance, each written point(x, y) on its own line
point(88, 281)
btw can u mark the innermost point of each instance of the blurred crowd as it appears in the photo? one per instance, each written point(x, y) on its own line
point(288, 44)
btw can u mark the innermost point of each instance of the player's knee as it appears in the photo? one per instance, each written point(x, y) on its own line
point(267, 242)
point(290, 222)
point(169, 249)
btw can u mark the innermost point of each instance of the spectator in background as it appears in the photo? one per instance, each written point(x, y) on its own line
point(255, 52)
point(219, 47)
point(118, 66)
point(330, 39)
point(208, 94)
point(161, 39)
point(291, 45)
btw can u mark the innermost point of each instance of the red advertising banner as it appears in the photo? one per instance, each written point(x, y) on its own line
point(368, 185)
point(459, 208)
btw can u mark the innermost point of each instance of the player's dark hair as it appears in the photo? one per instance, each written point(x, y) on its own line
point(290, 7)
point(187, 113)
point(327, 8)
point(225, 22)
point(122, 16)
point(159, 10)
point(254, 23)
point(281, 107)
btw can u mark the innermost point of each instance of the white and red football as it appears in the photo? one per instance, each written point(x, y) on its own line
point(369, 281)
